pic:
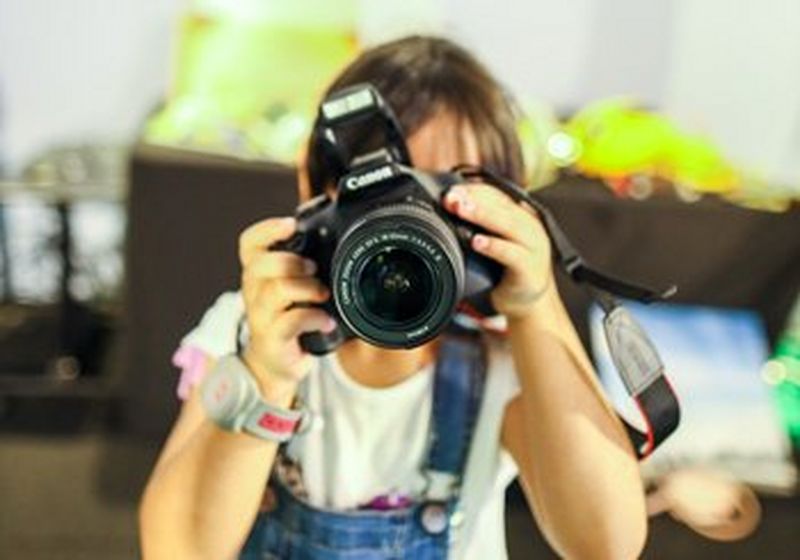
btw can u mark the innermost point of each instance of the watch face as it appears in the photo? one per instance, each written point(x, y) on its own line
point(223, 394)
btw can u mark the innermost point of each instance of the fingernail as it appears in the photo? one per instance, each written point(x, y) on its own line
point(330, 325)
point(480, 241)
point(310, 266)
point(451, 202)
point(288, 222)
point(461, 200)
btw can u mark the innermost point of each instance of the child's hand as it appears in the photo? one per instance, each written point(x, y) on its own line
point(519, 242)
point(272, 282)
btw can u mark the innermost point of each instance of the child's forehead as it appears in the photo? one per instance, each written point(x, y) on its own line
point(443, 141)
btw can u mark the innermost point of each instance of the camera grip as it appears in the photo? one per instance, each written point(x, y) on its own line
point(316, 342)
point(295, 244)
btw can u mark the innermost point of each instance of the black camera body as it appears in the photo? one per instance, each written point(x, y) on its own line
point(397, 263)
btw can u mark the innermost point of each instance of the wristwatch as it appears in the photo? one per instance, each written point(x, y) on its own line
point(232, 399)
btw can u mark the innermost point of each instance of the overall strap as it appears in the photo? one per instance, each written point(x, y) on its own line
point(457, 393)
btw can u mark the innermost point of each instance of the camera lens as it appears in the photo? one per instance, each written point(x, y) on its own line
point(397, 275)
point(396, 285)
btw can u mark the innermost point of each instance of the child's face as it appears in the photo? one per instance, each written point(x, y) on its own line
point(438, 145)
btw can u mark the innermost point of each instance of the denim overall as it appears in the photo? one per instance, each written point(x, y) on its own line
point(295, 530)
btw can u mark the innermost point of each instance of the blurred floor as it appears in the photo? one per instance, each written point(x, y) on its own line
point(59, 498)
point(74, 497)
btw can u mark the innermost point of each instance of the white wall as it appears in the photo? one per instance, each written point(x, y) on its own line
point(537, 48)
point(77, 70)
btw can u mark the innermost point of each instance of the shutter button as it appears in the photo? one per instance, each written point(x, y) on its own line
point(434, 518)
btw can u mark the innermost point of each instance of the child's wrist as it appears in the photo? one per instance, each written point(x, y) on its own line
point(541, 310)
point(276, 389)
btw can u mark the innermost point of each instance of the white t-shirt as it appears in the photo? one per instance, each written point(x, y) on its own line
point(368, 443)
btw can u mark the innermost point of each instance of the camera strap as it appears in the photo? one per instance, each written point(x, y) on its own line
point(635, 357)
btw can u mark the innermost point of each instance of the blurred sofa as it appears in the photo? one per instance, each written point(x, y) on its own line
point(186, 211)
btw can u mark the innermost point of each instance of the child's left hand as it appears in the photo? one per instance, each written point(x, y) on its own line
point(518, 241)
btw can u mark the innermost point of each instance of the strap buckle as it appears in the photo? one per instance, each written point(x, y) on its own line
point(440, 486)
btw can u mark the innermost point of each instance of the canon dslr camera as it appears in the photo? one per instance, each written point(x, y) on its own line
point(397, 264)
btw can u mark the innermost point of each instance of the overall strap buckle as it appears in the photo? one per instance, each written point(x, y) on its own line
point(457, 395)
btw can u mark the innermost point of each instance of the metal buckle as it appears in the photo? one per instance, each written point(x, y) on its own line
point(439, 486)
point(434, 517)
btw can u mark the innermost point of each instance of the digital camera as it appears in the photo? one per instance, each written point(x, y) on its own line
point(397, 264)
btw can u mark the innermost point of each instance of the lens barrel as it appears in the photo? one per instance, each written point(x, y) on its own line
point(397, 276)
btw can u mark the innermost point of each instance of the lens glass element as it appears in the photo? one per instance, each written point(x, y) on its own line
point(396, 285)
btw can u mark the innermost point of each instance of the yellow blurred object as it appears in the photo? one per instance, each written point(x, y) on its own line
point(618, 140)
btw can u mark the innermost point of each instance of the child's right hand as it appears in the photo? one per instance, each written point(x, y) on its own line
point(273, 282)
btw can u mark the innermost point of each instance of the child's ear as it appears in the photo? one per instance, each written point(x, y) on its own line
point(303, 184)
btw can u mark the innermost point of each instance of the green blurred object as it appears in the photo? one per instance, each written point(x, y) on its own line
point(249, 87)
point(783, 372)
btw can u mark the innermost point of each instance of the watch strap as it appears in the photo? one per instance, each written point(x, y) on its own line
point(271, 422)
point(232, 399)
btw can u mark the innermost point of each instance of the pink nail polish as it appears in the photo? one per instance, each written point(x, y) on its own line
point(451, 201)
point(330, 325)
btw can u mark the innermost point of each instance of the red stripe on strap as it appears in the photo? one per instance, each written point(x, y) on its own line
point(277, 424)
point(649, 447)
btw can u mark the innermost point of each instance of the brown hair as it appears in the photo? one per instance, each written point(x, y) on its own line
point(418, 76)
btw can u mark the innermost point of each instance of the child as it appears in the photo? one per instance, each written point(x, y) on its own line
point(409, 452)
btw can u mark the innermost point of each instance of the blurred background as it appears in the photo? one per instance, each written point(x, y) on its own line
point(138, 138)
